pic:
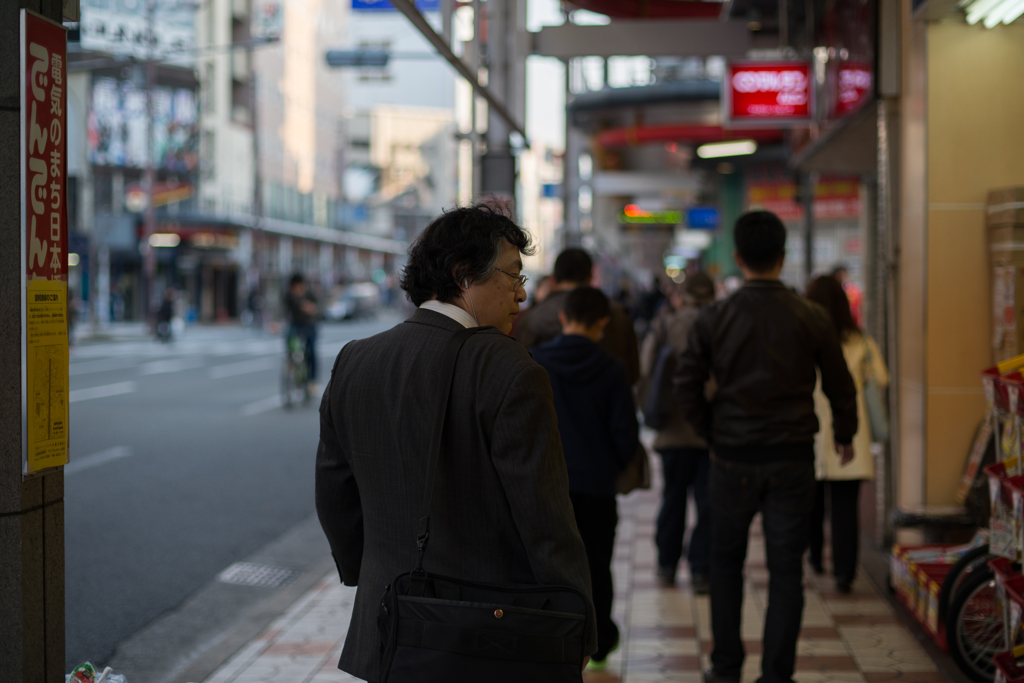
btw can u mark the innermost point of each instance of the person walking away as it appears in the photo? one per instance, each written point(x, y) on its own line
point(600, 433)
point(841, 482)
point(165, 316)
point(501, 512)
point(539, 324)
point(764, 345)
point(853, 292)
point(685, 458)
point(301, 305)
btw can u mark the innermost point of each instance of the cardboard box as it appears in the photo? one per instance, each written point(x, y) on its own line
point(1008, 308)
point(1006, 242)
point(1005, 206)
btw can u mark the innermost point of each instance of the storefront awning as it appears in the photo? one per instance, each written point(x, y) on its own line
point(851, 146)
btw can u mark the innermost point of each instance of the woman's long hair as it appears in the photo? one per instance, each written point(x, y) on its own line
point(827, 292)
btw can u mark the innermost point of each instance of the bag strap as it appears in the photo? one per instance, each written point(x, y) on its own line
point(450, 355)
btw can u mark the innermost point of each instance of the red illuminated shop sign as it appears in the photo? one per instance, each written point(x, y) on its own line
point(773, 93)
point(854, 84)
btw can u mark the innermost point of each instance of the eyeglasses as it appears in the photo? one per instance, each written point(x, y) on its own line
point(521, 280)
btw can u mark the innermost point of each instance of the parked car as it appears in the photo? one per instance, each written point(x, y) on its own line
point(359, 300)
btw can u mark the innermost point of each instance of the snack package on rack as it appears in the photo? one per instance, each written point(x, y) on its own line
point(1010, 666)
point(83, 673)
point(948, 554)
point(86, 673)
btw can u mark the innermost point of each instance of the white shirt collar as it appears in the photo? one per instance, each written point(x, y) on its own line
point(452, 311)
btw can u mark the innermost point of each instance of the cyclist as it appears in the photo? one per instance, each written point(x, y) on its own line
point(301, 307)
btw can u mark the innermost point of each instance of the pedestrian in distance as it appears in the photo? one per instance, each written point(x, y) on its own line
point(540, 324)
point(600, 433)
point(765, 346)
point(685, 458)
point(500, 511)
point(841, 482)
point(301, 306)
point(165, 316)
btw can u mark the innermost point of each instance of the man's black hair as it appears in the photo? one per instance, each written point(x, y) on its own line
point(586, 305)
point(760, 239)
point(460, 244)
point(296, 279)
point(573, 265)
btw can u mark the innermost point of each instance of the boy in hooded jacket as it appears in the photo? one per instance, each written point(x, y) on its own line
point(599, 430)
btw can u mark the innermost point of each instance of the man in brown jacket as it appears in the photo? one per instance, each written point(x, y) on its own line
point(539, 324)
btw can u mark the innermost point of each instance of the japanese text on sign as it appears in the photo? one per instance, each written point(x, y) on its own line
point(46, 119)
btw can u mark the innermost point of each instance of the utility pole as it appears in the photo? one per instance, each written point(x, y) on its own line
point(149, 180)
point(31, 506)
point(257, 178)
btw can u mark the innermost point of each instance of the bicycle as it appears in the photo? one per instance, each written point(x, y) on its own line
point(294, 373)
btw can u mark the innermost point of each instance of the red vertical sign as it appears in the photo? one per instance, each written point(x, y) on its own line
point(854, 84)
point(44, 148)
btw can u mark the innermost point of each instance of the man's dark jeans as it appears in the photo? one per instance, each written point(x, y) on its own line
point(596, 518)
point(684, 468)
point(784, 494)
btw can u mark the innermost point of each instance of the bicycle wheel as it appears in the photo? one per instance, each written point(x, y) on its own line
point(964, 567)
point(288, 383)
point(974, 626)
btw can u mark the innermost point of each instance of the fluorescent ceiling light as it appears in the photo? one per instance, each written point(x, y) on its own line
point(1013, 11)
point(992, 12)
point(733, 148)
point(977, 10)
point(164, 239)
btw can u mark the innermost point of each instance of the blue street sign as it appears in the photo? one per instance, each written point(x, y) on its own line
point(702, 218)
point(385, 6)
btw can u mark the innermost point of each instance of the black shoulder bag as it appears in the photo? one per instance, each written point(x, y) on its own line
point(436, 629)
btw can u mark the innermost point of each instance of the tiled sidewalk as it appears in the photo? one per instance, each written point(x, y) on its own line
point(665, 632)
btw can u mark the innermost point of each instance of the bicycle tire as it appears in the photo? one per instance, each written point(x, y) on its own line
point(287, 384)
point(977, 592)
point(973, 559)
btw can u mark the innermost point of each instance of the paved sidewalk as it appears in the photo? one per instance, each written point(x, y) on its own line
point(665, 632)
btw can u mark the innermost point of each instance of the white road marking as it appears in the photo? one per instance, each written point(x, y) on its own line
point(101, 391)
point(101, 366)
point(159, 367)
point(243, 367)
point(261, 406)
point(90, 461)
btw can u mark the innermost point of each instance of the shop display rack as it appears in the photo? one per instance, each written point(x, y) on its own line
point(970, 598)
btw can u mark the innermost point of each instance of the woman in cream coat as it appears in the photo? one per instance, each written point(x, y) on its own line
point(842, 482)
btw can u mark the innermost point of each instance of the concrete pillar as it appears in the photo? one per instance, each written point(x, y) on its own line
point(284, 258)
point(574, 143)
point(103, 285)
point(31, 509)
point(326, 265)
point(498, 165)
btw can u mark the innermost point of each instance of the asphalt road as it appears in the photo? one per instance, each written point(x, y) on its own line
point(182, 463)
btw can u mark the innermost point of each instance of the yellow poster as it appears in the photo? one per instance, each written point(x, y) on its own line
point(47, 374)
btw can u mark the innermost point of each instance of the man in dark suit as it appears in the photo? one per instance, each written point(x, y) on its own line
point(501, 511)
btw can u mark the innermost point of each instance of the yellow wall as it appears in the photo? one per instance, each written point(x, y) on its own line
point(975, 142)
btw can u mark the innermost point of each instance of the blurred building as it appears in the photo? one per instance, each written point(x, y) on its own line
point(249, 145)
